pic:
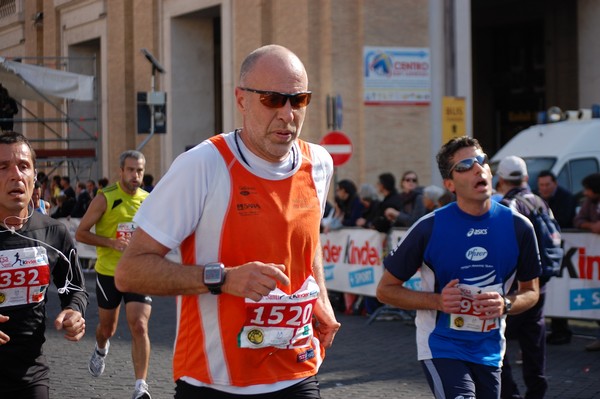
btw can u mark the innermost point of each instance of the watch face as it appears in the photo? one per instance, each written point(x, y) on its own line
point(507, 305)
point(212, 274)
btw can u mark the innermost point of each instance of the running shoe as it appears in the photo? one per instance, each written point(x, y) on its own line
point(141, 392)
point(96, 365)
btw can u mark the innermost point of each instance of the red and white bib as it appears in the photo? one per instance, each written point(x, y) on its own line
point(24, 276)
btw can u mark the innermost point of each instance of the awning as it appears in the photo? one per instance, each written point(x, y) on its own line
point(31, 82)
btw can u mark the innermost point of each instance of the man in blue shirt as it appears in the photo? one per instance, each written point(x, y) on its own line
point(469, 253)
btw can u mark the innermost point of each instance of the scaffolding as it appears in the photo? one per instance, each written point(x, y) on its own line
point(73, 148)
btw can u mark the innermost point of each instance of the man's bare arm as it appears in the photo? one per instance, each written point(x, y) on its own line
point(391, 291)
point(526, 297)
point(327, 326)
point(144, 268)
point(93, 214)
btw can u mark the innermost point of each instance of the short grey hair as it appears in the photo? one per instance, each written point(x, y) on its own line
point(368, 192)
point(434, 193)
point(130, 154)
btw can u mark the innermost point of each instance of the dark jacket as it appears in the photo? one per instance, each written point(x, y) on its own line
point(380, 222)
point(563, 205)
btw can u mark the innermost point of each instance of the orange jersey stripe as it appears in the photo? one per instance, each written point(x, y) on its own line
point(272, 221)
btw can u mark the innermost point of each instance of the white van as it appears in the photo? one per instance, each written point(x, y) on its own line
point(569, 148)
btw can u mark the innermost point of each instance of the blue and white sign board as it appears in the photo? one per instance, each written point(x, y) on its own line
point(397, 75)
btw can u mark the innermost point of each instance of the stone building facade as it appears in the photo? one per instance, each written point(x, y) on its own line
point(201, 43)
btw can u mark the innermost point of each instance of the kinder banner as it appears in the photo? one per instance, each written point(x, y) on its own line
point(352, 259)
point(576, 293)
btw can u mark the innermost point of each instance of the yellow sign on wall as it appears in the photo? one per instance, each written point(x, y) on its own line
point(453, 118)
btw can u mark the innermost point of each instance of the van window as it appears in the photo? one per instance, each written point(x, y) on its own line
point(573, 172)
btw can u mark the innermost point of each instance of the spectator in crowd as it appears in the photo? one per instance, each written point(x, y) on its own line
point(148, 182)
point(461, 349)
point(8, 109)
point(432, 197)
point(66, 189)
point(528, 327)
point(42, 178)
point(349, 202)
point(332, 218)
point(64, 207)
point(370, 200)
point(329, 212)
point(226, 270)
point(82, 202)
point(563, 205)
point(102, 183)
point(562, 202)
point(347, 208)
point(391, 199)
point(39, 203)
point(371, 206)
point(411, 199)
point(588, 218)
point(55, 189)
point(91, 188)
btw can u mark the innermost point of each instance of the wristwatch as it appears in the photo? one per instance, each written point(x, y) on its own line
point(214, 277)
point(507, 305)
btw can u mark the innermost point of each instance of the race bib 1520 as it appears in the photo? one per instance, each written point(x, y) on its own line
point(280, 320)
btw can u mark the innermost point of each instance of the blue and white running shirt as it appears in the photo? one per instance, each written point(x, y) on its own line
point(486, 253)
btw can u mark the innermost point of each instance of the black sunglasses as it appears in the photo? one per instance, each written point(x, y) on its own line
point(467, 164)
point(410, 179)
point(273, 99)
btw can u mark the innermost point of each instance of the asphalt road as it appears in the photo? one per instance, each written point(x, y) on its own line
point(366, 361)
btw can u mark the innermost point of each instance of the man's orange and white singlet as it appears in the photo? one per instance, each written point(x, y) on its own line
point(217, 208)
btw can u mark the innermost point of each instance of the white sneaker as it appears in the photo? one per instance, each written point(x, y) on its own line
point(96, 365)
point(141, 392)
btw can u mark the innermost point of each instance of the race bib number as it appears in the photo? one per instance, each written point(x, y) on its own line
point(126, 230)
point(24, 276)
point(468, 318)
point(280, 320)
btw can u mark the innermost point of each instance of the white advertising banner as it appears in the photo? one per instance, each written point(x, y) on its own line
point(353, 262)
point(576, 293)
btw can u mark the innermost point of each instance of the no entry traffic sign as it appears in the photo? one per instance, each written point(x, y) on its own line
point(339, 146)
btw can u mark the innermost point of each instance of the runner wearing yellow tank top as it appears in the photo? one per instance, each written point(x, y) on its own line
point(116, 222)
point(111, 212)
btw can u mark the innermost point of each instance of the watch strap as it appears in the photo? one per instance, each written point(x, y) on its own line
point(507, 305)
point(215, 290)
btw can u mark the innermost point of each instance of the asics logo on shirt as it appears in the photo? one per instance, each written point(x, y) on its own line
point(476, 232)
point(476, 253)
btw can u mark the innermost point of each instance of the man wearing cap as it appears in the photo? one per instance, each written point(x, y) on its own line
point(528, 327)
